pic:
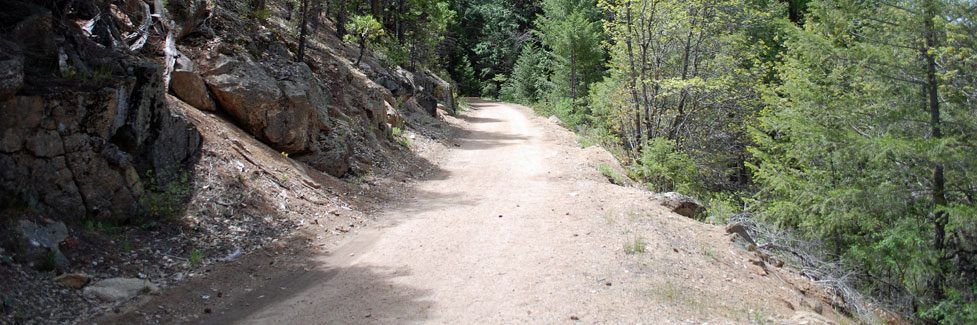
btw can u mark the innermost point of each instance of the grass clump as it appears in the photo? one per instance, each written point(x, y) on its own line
point(196, 256)
point(634, 245)
point(585, 141)
point(611, 175)
point(463, 105)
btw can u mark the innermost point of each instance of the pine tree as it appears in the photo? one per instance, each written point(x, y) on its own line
point(866, 144)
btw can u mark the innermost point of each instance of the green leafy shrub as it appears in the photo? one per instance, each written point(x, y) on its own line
point(196, 256)
point(665, 169)
point(363, 30)
point(165, 198)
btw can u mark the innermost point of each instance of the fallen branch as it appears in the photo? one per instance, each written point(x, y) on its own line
point(142, 34)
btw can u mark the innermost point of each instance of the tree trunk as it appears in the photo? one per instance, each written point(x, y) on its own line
point(401, 7)
point(573, 79)
point(375, 9)
point(302, 29)
point(362, 48)
point(940, 217)
point(634, 76)
point(341, 20)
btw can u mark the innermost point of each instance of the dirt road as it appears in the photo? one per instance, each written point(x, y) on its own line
point(519, 227)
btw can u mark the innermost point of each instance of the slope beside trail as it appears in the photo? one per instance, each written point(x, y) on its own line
point(516, 226)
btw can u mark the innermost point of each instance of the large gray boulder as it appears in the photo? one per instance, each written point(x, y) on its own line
point(254, 99)
point(36, 245)
point(118, 289)
point(190, 87)
point(442, 91)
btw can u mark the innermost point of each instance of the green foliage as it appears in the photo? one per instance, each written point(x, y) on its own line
point(363, 30)
point(528, 82)
point(851, 121)
point(165, 196)
point(872, 107)
point(254, 10)
point(490, 90)
point(463, 105)
point(585, 141)
point(461, 71)
point(487, 36)
point(195, 256)
point(666, 169)
point(572, 31)
point(611, 175)
point(720, 208)
point(400, 137)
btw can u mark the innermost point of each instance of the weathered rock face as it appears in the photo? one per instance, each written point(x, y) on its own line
point(11, 69)
point(442, 90)
point(79, 154)
point(427, 103)
point(428, 86)
point(188, 15)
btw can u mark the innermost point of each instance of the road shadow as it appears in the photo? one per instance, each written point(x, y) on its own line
point(473, 119)
point(345, 295)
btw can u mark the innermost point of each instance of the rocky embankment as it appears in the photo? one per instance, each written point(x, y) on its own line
point(141, 142)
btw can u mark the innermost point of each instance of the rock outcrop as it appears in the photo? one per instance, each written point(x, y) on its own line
point(76, 143)
point(681, 204)
point(254, 99)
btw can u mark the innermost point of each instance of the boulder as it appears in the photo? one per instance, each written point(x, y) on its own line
point(34, 34)
point(681, 204)
point(397, 83)
point(118, 289)
point(73, 280)
point(441, 90)
point(555, 120)
point(190, 88)
point(37, 245)
point(253, 98)
point(303, 93)
point(445, 109)
point(334, 150)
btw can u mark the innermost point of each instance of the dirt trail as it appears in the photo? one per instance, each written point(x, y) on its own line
point(518, 227)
